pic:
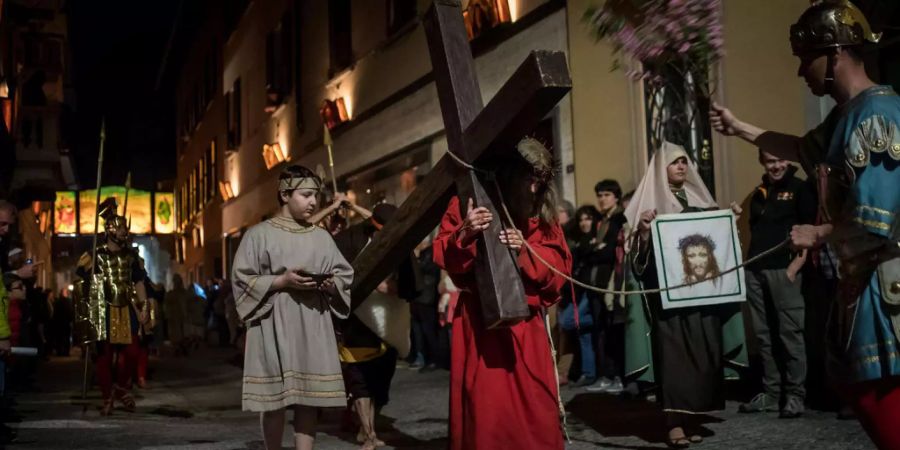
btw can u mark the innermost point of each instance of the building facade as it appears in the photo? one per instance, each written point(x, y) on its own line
point(285, 68)
point(37, 102)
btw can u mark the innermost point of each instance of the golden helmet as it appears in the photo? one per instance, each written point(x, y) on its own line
point(830, 24)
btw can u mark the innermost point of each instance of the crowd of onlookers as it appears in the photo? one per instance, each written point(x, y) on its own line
point(590, 326)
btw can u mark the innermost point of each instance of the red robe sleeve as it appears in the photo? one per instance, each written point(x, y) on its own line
point(545, 285)
point(449, 253)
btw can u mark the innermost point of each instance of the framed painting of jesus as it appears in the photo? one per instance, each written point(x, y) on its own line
point(694, 251)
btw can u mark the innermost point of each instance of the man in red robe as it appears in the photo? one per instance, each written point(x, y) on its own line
point(503, 389)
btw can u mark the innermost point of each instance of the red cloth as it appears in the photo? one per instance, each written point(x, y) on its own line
point(15, 320)
point(877, 403)
point(503, 392)
point(125, 365)
point(142, 360)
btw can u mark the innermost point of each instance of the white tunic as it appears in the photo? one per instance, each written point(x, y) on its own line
point(291, 353)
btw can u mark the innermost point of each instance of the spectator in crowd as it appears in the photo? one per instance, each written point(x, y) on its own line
point(424, 309)
point(564, 212)
point(11, 289)
point(774, 286)
point(449, 296)
point(576, 318)
point(12, 299)
point(8, 214)
point(217, 321)
point(609, 310)
point(63, 315)
point(175, 309)
point(148, 332)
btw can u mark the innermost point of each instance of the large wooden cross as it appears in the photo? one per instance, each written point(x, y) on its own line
point(479, 135)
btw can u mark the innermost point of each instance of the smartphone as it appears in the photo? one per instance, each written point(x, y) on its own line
point(317, 277)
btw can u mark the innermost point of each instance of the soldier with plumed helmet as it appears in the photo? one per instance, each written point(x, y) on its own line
point(111, 307)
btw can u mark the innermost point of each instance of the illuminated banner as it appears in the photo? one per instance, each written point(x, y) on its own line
point(64, 213)
point(164, 213)
point(139, 208)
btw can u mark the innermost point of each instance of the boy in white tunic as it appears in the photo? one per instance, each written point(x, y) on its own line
point(289, 278)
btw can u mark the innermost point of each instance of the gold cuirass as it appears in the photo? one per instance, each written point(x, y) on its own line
point(116, 270)
point(103, 302)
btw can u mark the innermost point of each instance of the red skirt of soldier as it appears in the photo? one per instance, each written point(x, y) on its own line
point(111, 368)
point(877, 403)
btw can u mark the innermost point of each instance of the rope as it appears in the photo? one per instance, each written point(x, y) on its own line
point(562, 407)
point(603, 290)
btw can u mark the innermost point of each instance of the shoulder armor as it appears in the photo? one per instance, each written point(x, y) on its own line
point(876, 134)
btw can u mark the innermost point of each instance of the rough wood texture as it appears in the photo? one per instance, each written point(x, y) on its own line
point(480, 135)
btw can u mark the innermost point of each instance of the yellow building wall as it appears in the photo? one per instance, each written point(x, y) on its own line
point(757, 80)
point(604, 129)
point(759, 84)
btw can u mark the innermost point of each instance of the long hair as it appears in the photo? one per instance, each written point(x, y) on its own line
point(573, 228)
point(712, 265)
point(534, 159)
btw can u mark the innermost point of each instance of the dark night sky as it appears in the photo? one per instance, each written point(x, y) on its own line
point(117, 49)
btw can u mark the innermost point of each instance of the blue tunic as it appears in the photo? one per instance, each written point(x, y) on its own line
point(866, 145)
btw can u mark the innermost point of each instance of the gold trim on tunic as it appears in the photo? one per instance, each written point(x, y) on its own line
point(289, 225)
point(293, 392)
point(876, 358)
point(246, 293)
point(683, 411)
point(879, 211)
point(877, 224)
point(294, 375)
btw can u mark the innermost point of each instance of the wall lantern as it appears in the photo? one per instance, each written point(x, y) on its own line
point(334, 112)
point(273, 155)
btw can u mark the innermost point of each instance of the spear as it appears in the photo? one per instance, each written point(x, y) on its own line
point(127, 190)
point(87, 354)
point(328, 143)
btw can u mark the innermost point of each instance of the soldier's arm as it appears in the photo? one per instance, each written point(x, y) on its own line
point(784, 146)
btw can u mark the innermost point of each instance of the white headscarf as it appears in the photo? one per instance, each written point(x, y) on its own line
point(654, 192)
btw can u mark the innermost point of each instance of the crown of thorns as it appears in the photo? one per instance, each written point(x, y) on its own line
point(694, 240)
point(539, 156)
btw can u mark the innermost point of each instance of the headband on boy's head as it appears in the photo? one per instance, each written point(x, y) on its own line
point(294, 183)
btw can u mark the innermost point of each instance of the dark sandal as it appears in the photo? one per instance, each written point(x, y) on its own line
point(682, 442)
point(128, 402)
point(126, 398)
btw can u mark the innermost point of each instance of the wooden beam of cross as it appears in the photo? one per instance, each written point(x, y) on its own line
point(480, 136)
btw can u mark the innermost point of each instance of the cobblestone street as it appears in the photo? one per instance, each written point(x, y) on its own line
point(194, 403)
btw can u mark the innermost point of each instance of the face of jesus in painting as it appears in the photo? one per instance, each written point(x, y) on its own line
point(697, 257)
point(300, 203)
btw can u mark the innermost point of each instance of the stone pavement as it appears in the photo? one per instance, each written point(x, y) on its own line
point(194, 403)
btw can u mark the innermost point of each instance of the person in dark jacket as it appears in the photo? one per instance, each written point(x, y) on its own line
point(774, 286)
point(424, 310)
point(576, 319)
point(609, 315)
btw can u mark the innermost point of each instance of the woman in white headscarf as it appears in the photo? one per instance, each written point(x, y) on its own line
point(687, 349)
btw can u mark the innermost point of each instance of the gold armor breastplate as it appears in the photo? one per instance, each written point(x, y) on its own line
point(116, 271)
